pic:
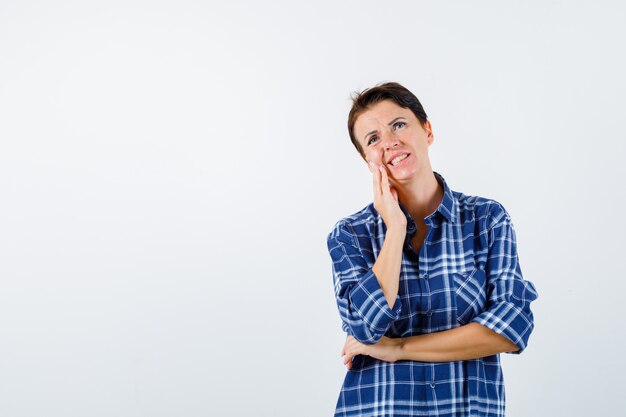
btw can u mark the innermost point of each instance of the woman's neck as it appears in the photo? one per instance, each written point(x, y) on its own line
point(421, 197)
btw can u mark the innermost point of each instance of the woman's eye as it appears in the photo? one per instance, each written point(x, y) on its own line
point(369, 142)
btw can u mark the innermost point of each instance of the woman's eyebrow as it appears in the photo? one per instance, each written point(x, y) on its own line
point(388, 124)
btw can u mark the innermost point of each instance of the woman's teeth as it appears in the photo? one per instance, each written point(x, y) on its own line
point(398, 159)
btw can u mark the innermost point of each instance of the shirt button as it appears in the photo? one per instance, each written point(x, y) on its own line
point(425, 276)
point(429, 313)
point(432, 385)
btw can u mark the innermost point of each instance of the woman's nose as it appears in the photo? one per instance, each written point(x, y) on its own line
point(389, 140)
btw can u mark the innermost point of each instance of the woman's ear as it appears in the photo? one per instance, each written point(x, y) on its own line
point(429, 132)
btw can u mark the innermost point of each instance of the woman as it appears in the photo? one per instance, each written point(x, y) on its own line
point(427, 280)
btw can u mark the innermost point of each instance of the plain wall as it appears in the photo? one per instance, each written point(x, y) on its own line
point(169, 172)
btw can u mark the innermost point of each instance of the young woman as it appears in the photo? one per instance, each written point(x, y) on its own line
point(427, 279)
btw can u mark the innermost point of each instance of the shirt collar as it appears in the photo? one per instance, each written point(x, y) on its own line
point(447, 208)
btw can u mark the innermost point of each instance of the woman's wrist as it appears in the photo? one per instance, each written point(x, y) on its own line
point(397, 230)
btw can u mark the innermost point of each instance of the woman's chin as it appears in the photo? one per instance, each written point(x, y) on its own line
point(402, 175)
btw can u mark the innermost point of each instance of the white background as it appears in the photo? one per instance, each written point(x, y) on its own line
point(169, 172)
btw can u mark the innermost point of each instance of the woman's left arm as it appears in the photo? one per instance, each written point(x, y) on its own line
point(470, 341)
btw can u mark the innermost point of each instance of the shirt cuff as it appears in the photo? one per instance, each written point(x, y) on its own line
point(369, 300)
point(508, 320)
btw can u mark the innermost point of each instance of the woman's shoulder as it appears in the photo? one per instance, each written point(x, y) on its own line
point(477, 207)
point(356, 223)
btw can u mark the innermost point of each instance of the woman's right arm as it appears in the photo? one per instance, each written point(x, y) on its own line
point(367, 298)
point(387, 265)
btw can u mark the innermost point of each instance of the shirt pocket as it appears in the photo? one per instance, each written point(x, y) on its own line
point(471, 294)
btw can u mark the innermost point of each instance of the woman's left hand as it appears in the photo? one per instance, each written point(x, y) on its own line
point(386, 349)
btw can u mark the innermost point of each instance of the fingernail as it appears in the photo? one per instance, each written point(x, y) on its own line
point(371, 163)
point(381, 168)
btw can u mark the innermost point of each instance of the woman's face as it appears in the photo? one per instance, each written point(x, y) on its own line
point(387, 131)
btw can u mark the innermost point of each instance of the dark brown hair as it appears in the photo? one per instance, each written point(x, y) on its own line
point(385, 91)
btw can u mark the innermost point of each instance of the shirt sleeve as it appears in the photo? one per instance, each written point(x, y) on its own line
point(508, 294)
point(364, 311)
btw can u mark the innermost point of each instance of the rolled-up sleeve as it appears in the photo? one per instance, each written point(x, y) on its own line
point(363, 308)
point(508, 294)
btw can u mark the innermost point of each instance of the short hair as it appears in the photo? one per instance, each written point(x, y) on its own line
point(385, 91)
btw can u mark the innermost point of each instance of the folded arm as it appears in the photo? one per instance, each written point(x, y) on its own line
point(470, 341)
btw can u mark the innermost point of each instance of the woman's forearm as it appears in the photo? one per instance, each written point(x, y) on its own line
point(470, 341)
point(387, 265)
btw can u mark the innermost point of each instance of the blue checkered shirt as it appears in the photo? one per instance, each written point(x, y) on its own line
point(467, 271)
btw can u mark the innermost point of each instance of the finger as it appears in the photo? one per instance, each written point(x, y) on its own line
point(394, 193)
point(384, 186)
point(347, 359)
point(349, 352)
point(344, 349)
point(376, 182)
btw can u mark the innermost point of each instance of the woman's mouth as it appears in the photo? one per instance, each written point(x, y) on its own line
point(399, 160)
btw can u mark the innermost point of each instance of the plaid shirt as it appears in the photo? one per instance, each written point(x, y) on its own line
point(467, 271)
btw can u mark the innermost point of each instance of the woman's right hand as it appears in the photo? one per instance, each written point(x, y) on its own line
point(386, 198)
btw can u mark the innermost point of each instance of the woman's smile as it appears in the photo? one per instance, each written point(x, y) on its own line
point(399, 161)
